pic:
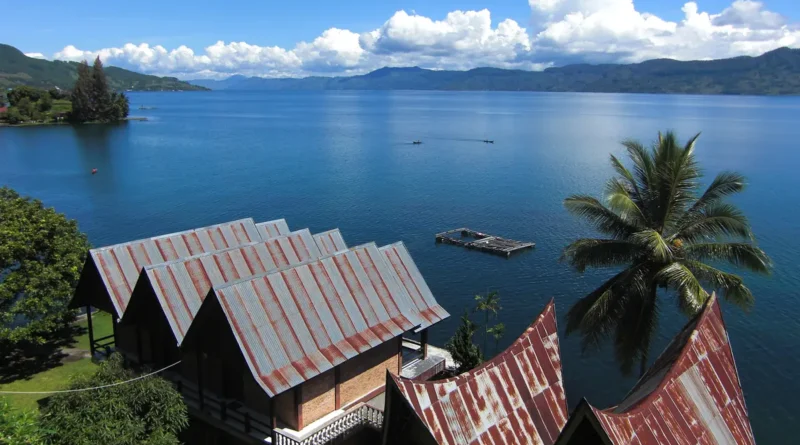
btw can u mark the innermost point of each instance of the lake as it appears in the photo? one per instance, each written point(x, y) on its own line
point(345, 159)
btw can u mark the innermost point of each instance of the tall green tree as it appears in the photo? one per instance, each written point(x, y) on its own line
point(41, 256)
point(83, 109)
point(145, 411)
point(101, 95)
point(45, 104)
point(462, 345)
point(667, 237)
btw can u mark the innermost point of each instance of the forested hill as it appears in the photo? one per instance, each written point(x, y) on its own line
point(774, 73)
point(18, 69)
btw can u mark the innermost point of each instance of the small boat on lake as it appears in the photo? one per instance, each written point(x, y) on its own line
point(487, 141)
point(417, 142)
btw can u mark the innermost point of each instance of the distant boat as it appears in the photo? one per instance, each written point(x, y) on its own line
point(417, 142)
point(488, 141)
point(147, 108)
point(94, 170)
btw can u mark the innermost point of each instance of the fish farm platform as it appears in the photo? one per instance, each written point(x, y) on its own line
point(472, 239)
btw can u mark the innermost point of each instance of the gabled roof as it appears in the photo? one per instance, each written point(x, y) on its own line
point(271, 229)
point(517, 397)
point(181, 286)
point(119, 265)
point(295, 324)
point(692, 394)
point(400, 260)
point(330, 242)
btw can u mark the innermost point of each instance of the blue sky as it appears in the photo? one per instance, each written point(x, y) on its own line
point(429, 36)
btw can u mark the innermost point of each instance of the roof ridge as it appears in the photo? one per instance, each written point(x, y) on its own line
point(166, 235)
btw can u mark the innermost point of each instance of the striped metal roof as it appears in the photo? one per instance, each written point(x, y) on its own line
point(181, 286)
point(297, 323)
point(271, 229)
point(330, 242)
point(119, 265)
point(400, 260)
point(692, 394)
point(517, 397)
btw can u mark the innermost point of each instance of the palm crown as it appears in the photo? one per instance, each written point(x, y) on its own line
point(663, 232)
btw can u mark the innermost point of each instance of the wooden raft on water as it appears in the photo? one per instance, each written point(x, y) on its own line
point(482, 241)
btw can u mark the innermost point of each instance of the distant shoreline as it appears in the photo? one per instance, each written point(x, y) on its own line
point(47, 124)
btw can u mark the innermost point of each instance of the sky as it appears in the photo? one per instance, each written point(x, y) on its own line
point(269, 38)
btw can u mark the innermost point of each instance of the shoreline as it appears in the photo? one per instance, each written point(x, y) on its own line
point(47, 124)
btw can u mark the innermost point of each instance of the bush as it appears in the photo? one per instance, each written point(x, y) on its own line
point(19, 427)
point(146, 411)
point(45, 103)
point(25, 107)
point(13, 116)
point(22, 92)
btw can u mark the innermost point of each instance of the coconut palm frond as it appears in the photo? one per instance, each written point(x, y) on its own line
point(585, 253)
point(691, 295)
point(601, 217)
point(656, 245)
point(724, 185)
point(620, 198)
point(730, 286)
point(643, 165)
point(635, 329)
point(714, 221)
point(742, 255)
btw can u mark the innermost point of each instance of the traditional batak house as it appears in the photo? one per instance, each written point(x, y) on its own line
point(278, 336)
point(516, 397)
point(110, 273)
point(691, 395)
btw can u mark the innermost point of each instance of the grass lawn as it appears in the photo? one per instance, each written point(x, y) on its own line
point(58, 377)
point(101, 323)
point(61, 106)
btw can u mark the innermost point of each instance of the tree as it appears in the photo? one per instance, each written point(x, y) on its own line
point(13, 116)
point(41, 256)
point(462, 347)
point(19, 427)
point(101, 96)
point(25, 107)
point(21, 92)
point(489, 304)
point(121, 106)
point(45, 103)
point(145, 411)
point(662, 233)
point(58, 94)
point(83, 109)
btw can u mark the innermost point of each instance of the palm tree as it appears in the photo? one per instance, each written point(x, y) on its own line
point(489, 304)
point(663, 235)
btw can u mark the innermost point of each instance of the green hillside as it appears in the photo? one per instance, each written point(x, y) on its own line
point(18, 69)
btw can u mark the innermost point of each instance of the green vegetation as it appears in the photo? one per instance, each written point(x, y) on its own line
point(662, 232)
point(772, 73)
point(92, 101)
point(462, 346)
point(53, 379)
point(148, 411)
point(34, 105)
point(41, 256)
point(19, 427)
point(18, 69)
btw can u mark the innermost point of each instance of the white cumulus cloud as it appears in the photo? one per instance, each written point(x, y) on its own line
point(560, 32)
point(36, 55)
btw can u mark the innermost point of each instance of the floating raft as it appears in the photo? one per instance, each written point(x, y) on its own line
point(482, 241)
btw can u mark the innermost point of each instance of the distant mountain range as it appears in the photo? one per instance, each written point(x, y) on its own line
point(18, 69)
point(773, 73)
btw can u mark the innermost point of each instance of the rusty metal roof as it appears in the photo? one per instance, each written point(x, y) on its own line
point(271, 229)
point(400, 260)
point(517, 397)
point(119, 265)
point(297, 323)
point(330, 242)
point(182, 285)
point(692, 394)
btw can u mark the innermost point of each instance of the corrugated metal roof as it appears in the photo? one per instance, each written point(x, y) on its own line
point(297, 323)
point(517, 397)
point(119, 265)
point(271, 229)
point(330, 242)
point(181, 286)
point(692, 394)
point(400, 260)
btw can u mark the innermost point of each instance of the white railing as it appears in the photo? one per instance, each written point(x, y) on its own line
point(352, 419)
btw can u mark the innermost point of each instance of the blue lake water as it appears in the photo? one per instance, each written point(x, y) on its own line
point(345, 159)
